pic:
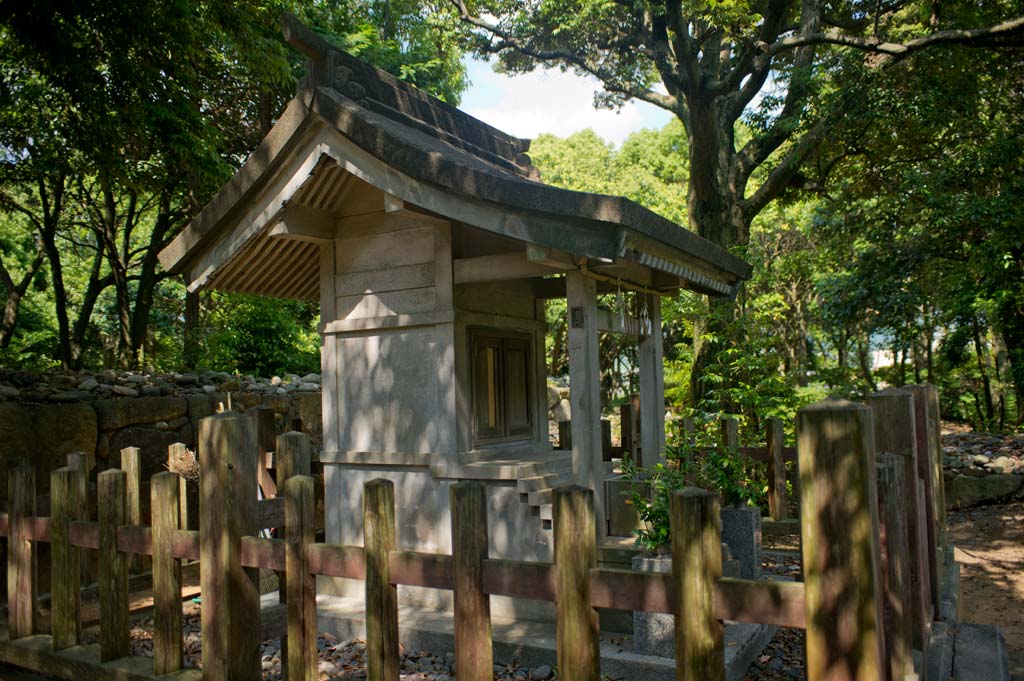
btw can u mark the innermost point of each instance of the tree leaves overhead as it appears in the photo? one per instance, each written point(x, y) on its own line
point(119, 120)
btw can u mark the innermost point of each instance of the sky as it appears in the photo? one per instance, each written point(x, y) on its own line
point(550, 101)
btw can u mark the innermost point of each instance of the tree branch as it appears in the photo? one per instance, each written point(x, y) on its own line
point(1010, 32)
point(507, 41)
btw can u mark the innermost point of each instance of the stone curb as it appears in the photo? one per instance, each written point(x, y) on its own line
point(531, 644)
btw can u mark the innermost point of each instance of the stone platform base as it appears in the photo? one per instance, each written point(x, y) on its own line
point(532, 644)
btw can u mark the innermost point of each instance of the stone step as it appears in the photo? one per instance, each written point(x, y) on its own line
point(543, 482)
point(541, 497)
point(979, 654)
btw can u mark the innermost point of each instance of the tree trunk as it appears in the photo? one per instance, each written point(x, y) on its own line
point(15, 292)
point(191, 350)
point(1011, 325)
point(986, 381)
point(863, 357)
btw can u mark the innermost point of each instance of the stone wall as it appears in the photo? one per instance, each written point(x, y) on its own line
point(981, 467)
point(45, 417)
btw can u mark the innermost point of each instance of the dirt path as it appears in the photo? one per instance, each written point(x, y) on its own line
point(990, 547)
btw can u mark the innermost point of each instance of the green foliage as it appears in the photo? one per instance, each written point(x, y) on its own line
point(249, 334)
point(119, 120)
point(738, 479)
point(649, 168)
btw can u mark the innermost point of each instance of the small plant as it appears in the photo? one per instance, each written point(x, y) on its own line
point(739, 479)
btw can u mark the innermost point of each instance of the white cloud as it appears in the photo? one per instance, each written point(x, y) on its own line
point(551, 101)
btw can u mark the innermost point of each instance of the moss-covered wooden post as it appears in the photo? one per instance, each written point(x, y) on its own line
point(696, 526)
point(474, 658)
point(300, 585)
point(167, 625)
point(382, 654)
point(65, 505)
point(576, 628)
point(111, 487)
point(227, 512)
point(21, 557)
point(778, 497)
point(839, 527)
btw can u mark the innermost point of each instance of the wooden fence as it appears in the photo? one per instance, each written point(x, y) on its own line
point(843, 603)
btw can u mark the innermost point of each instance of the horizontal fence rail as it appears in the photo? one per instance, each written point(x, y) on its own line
point(847, 570)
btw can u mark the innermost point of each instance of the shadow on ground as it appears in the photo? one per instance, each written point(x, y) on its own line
point(989, 544)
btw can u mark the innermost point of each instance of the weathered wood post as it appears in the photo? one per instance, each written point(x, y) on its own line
point(730, 432)
point(929, 471)
point(167, 626)
point(696, 518)
point(382, 656)
point(292, 457)
point(585, 395)
point(778, 498)
point(474, 658)
point(576, 628)
point(266, 436)
point(111, 486)
point(131, 464)
point(839, 526)
point(300, 585)
point(565, 435)
point(178, 452)
point(227, 512)
point(80, 461)
point(900, 506)
point(21, 557)
point(65, 572)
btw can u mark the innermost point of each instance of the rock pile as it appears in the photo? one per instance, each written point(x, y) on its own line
point(63, 387)
point(981, 467)
point(46, 416)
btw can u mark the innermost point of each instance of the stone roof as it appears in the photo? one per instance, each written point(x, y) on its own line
point(426, 145)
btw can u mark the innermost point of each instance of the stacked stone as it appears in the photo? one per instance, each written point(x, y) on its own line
point(66, 387)
point(982, 467)
point(47, 416)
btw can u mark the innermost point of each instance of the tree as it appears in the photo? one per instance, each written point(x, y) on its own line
point(121, 119)
point(786, 69)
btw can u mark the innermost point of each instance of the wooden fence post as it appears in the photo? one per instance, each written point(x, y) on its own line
point(839, 526)
point(576, 628)
point(292, 457)
point(227, 512)
point(929, 471)
point(266, 435)
point(696, 526)
point(565, 435)
point(113, 566)
point(778, 498)
point(382, 657)
point(474, 658)
point(900, 505)
point(730, 432)
point(300, 585)
point(168, 648)
point(131, 464)
point(21, 556)
point(178, 451)
point(65, 571)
